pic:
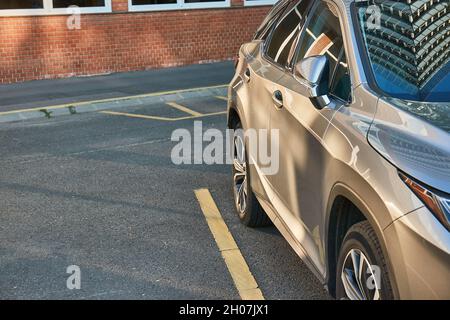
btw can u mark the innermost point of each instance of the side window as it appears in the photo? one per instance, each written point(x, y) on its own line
point(323, 36)
point(286, 32)
point(265, 27)
point(341, 85)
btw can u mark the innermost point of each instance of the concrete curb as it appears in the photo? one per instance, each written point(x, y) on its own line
point(107, 104)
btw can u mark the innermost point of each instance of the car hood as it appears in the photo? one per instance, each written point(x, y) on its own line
point(414, 137)
point(435, 113)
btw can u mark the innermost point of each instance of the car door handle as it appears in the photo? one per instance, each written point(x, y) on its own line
point(277, 98)
point(247, 75)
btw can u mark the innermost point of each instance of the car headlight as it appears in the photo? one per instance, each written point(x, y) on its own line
point(437, 202)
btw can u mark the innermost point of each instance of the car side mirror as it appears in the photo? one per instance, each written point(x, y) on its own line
point(315, 70)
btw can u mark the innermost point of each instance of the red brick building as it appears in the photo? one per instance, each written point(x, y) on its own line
point(43, 39)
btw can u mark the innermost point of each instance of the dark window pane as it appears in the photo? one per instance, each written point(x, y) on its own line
point(80, 3)
point(285, 34)
point(272, 17)
point(146, 2)
point(341, 84)
point(21, 4)
point(195, 1)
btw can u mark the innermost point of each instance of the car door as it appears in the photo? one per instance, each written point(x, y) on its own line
point(299, 188)
point(259, 76)
point(263, 78)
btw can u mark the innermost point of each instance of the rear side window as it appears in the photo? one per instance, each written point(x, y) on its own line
point(265, 27)
point(280, 45)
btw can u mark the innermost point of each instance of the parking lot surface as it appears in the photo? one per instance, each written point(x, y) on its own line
point(99, 190)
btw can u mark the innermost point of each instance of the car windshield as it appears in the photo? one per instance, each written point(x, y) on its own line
point(408, 47)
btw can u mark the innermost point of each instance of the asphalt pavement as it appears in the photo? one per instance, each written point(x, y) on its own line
point(99, 190)
point(43, 93)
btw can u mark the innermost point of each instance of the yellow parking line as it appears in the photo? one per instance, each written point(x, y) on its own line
point(240, 273)
point(77, 104)
point(132, 115)
point(143, 116)
point(211, 114)
point(184, 109)
point(221, 98)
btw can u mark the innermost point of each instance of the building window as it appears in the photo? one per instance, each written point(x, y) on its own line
point(49, 7)
point(21, 4)
point(79, 3)
point(153, 5)
point(259, 2)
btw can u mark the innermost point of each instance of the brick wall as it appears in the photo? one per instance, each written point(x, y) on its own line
point(42, 47)
point(120, 5)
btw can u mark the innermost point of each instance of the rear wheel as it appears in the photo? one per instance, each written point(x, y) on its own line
point(250, 212)
point(362, 271)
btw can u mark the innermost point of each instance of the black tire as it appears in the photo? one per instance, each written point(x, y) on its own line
point(362, 237)
point(253, 216)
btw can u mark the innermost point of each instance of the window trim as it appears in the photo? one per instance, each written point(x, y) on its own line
point(48, 10)
point(180, 5)
point(256, 3)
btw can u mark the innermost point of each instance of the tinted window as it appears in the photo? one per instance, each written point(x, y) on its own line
point(286, 33)
point(341, 85)
point(323, 36)
point(270, 19)
point(149, 2)
point(80, 3)
point(21, 4)
point(408, 49)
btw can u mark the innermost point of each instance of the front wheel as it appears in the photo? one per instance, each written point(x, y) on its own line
point(362, 272)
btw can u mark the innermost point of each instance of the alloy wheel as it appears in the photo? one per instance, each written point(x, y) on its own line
point(359, 278)
point(240, 174)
